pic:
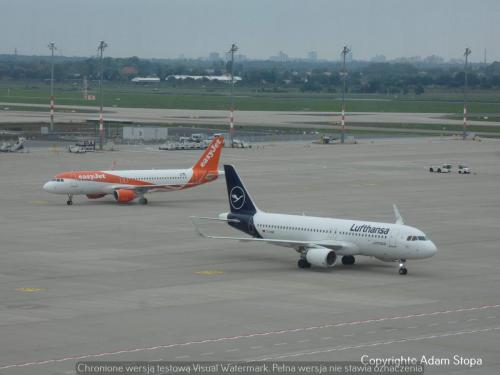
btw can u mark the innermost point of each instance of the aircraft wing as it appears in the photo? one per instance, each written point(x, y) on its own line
point(148, 188)
point(341, 247)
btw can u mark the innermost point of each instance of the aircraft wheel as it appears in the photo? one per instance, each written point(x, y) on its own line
point(348, 260)
point(69, 202)
point(302, 263)
point(143, 200)
point(403, 271)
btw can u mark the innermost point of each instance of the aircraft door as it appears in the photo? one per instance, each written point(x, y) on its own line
point(332, 233)
point(393, 238)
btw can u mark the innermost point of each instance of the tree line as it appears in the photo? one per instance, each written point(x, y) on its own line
point(361, 77)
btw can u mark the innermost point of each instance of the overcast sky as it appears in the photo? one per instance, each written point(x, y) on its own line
point(194, 28)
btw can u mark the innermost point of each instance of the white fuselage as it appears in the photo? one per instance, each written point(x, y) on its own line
point(105, 182)
point(384, 241)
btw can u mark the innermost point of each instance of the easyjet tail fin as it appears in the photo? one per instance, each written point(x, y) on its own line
point(209, 161)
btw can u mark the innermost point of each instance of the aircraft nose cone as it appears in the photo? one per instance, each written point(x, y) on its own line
point(431, 249)
point(48, 186)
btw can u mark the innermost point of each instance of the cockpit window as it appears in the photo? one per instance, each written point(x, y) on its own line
point(416, 238)
point(58, 179)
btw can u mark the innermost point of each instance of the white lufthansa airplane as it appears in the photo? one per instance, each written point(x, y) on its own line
point(321, 241)
point(127, 185)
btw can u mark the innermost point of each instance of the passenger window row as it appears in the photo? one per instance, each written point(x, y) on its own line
point(284, 227)
point(363, 235)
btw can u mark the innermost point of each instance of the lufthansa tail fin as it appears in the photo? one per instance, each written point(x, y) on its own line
point(239, 199)
point(209, 161)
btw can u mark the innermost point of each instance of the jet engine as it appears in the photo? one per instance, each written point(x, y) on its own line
point(321, 257)
point(124, 195)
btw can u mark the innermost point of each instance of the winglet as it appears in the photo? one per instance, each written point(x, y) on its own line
point(399, 218)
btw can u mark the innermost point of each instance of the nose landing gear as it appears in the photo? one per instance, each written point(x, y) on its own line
point(69, 202)
point(402, 268)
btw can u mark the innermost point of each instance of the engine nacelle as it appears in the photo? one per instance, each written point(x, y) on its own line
point(321, 257)
point(124, 195)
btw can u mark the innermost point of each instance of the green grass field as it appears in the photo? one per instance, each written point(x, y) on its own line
point(167, 97)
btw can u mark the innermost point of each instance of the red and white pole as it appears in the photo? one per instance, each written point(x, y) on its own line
point(101, 130)
point(465, 122)
point(231, 125)
point(342, 124)
point(52, 111)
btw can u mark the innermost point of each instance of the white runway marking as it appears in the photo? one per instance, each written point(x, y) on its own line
point(379, 343)
point(250, 335)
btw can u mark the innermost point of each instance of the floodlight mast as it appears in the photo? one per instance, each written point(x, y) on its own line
point(345, 51)
point(100, 48)
point(466, 54)
point(233, 49)
point(52, 47)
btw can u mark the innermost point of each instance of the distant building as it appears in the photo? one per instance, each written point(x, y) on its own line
point(144, 133)
point(223, 78)
point(145, 80)
point(312, 56)
point(281, 57)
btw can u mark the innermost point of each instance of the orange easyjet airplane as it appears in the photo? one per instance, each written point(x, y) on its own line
point(128, 185)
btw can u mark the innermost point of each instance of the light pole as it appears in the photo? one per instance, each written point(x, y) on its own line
point(100, 48)
point(52, 48)
point(345, 51)
point(233, 49)
point(466, 54)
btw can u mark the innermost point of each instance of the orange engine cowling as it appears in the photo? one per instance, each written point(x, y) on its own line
point(124, 195)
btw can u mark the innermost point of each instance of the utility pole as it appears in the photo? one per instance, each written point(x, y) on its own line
point(233, 49)
point(466, 54)
point(345, 51)
point(52, 48)
point(100, 48)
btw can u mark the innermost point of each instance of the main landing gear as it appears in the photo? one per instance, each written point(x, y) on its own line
point(402, 268)
point(143, 200)
point(348, 260)
point(303, 263)
point(69, 202)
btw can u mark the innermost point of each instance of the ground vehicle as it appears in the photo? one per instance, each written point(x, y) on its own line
point(443, 168)
point(463, 169)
